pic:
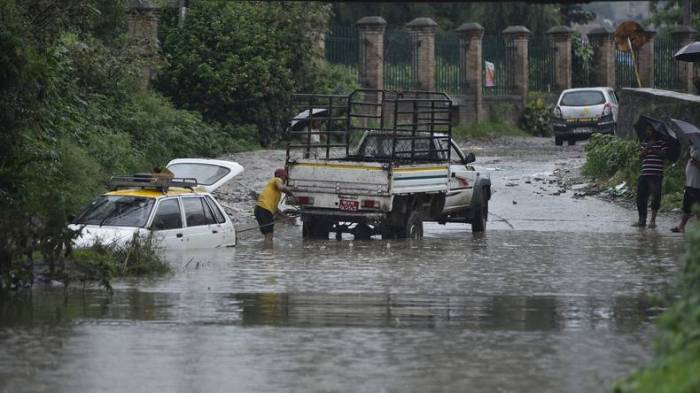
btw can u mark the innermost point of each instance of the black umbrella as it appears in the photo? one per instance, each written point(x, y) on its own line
point(689, 131)
point(689, 53)
point(646, 125)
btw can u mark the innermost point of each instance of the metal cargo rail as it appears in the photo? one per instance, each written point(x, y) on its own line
point(407, 121)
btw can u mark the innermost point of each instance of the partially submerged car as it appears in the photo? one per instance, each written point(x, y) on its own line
point(177, 211)
point(581, 112)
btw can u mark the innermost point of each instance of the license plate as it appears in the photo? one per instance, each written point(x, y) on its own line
point(349, 205)
point(583, 130)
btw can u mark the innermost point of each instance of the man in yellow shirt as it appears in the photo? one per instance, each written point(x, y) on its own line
point(266, 207)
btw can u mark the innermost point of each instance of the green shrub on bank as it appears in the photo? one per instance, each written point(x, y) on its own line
point(535, 119)
point(614, 160)
point(676, 366)
point(488, 129)
point(101, 262)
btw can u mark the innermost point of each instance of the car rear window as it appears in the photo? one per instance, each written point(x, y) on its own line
point(205, 174)
point(583, 98)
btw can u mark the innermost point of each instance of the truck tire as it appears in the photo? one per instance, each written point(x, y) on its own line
point(480, 215)
point(412, 228)
point(315, 229)
point(558, 141)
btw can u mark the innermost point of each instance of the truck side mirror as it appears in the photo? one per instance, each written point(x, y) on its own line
point(469, 158)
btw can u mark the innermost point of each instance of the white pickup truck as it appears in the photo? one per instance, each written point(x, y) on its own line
point(397, 177)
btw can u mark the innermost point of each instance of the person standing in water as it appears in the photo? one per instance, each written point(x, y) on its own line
point(266, 207)
point(652, 153)
point(691, 194)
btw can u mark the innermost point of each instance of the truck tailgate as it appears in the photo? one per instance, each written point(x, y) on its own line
point(339, 177)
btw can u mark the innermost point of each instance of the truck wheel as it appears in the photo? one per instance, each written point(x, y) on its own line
point(412, 228)
point(315, 229)
point(480, 215)
point(558, 141)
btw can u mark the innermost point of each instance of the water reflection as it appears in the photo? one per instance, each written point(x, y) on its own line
point(520, 313)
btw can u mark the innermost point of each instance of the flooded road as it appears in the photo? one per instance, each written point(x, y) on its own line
point(553, 298)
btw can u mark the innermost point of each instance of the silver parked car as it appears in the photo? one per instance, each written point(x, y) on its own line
point(582, 111)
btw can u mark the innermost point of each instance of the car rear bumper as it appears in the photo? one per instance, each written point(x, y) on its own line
point(582, 130)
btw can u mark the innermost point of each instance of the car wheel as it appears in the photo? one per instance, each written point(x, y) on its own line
point(480, 215)
point(315, 229)
point(558, 141)
point(572, 141)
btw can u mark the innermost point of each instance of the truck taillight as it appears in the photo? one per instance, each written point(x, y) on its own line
point(557, 112)
point(304, 200)
point(370, 204)
point(607, 110)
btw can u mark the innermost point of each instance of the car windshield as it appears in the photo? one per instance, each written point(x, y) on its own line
point(583, 98)
point(205, 174)
point(116, 210)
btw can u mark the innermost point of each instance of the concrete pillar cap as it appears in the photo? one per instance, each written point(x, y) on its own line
point(422, 22)
point(559, 30)
point(600, 31)
point(683, 30)
point(371, 21)
point(516, 30)
point(469, 27)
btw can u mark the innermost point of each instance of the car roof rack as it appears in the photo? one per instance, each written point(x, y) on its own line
point(157, 181)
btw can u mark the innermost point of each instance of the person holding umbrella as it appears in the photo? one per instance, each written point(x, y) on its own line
point(691, 193)
point(654, 149)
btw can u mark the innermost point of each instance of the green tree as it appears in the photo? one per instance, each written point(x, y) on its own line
point(239, 62)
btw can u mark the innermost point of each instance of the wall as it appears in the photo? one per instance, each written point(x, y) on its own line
point(655, 103)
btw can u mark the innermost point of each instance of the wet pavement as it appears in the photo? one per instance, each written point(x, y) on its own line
point(553, 297)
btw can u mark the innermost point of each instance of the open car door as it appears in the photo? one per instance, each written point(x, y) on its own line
point(210, 174)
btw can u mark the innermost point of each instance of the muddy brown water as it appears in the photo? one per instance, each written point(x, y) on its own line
point(553, 298)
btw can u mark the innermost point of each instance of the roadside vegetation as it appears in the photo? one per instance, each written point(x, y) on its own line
point(611, 161)
point(677, 345)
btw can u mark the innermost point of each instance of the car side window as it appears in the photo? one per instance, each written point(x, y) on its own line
point(167, 216)
point(218, 214)
point(196, 212)
point(613, 97)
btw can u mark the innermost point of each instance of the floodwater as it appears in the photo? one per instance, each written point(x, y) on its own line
point(553, 298)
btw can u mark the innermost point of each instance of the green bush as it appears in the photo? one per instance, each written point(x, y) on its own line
point(677, 346)
point(240, 62)
point(535, 119)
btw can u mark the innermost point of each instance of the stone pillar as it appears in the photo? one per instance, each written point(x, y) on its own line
point(142, 32)
point(603, 44)
point(470, 35)
point(559, 40)
point(423, 36)
point(371, 63)
point(646, 59)
point(516, 38)
point(684, 35)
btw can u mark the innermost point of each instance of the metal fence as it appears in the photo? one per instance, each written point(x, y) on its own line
point(342, 46)
point(399, 62)
point(541, 64)
point(449, 71)
point(666, 68)
point(624, 69)
point(498, 60)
